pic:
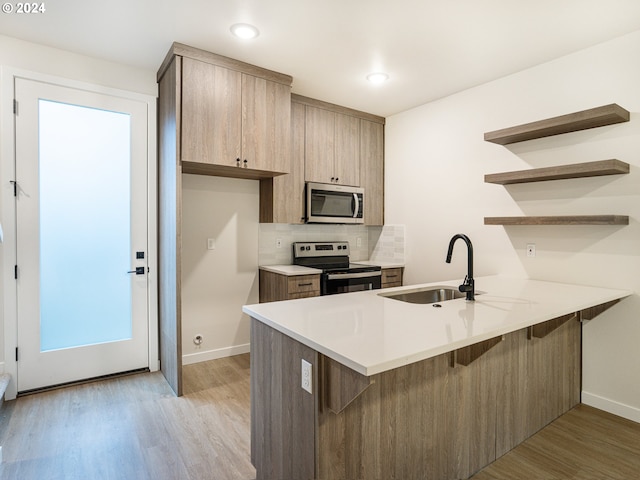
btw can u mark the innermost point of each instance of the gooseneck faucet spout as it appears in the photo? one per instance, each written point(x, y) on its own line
point(468, 285)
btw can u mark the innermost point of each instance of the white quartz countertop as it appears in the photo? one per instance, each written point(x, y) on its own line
point(383, 263)
point(290, 270)
point(372, 334)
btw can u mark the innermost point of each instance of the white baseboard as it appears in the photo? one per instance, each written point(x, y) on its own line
point(611, 406)
point(214, 354)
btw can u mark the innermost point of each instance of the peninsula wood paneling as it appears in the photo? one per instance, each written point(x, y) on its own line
point(425, 420)
point(541, 380)
point(283, 416)
point(429, 420)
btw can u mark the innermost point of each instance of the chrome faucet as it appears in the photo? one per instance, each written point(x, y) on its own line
point(468, 285)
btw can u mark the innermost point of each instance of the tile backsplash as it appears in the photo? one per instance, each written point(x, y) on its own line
point(365, 243)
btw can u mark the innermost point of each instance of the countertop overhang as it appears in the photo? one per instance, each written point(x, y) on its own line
point(372, 334)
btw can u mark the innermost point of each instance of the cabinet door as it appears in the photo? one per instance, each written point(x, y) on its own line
point(266, 123)
point(372, 171)
point(346, 165)
point(282, 197)
point(211, 113)
point(319, 145)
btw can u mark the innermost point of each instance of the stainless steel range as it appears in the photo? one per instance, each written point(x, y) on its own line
point(339, 275)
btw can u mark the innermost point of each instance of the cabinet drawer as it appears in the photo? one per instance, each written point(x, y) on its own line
point(303, 283)
point(391, 284)
point(314, 293)
point(391, 275)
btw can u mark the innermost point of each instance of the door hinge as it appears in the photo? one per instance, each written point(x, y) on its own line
point(15, 106)
point(16, 354)
point(15, 272)
point(15, 187)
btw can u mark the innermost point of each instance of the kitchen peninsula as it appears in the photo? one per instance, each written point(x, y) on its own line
point(412, 391)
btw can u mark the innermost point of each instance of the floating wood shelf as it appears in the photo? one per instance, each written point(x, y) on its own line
point(560, 220)
point(592, 118)
point(577, 170)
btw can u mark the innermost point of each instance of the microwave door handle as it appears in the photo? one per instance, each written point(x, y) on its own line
point(356, 204)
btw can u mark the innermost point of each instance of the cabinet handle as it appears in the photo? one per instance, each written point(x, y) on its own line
point(237, 162)
point(337, 179)
point(245, 163)
point(333, 179)
point(305, 284)
point(391, 276)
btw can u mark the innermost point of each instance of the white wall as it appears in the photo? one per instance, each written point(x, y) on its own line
point(29, 57)
point(436, 160)
point(217, 283)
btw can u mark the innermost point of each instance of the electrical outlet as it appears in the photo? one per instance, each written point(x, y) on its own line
point(359, 242)
point(278, 243)
point(531, 249)
point(211, 243)
point(307, 376)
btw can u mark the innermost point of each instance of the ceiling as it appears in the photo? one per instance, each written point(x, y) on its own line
point(429, 48)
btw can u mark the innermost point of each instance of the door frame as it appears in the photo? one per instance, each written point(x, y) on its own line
point(8, 286)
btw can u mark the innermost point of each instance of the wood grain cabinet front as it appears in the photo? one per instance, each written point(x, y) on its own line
point(341, 146)
point(372, 170)
point(332, 144)
point(392, 277)
point(234, 119)
point(275, 287)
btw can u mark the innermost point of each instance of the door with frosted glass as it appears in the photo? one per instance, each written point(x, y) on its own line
point(81, 206)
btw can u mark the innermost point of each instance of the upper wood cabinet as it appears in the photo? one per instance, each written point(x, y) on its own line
point(372, 170)
point(211, 113)
point(334, 144)
point(235, 117)
point(282, 197)
point(332, 147)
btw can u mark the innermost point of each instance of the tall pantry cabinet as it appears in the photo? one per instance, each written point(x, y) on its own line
point(216, 116)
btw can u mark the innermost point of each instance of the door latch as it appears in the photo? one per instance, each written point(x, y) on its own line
point(137, 271)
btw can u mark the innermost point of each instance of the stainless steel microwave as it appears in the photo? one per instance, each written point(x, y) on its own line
point(327, 203)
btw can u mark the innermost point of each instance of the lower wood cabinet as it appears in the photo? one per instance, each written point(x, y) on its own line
point(392, 277)
point(275, 287)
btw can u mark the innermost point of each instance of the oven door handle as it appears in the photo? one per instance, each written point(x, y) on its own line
point(349, 276)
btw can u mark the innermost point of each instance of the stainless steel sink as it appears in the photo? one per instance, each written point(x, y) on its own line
point(426, 295)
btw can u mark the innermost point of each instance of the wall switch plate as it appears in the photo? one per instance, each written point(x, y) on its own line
point(278, 243)
point(307, 376)
point(531, 249)
point(211, 243)
point(359, 242)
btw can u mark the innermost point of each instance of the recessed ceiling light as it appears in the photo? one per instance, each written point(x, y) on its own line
point(377, 78)
point(244, 30)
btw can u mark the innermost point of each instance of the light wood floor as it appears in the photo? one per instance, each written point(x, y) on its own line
point(583, 444)
point(134, 428)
